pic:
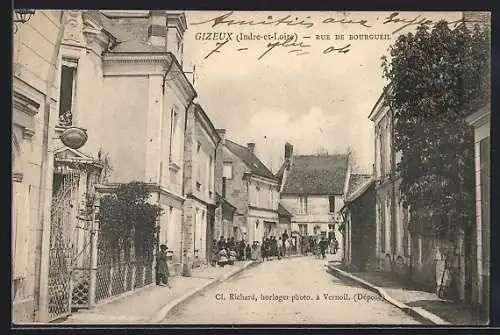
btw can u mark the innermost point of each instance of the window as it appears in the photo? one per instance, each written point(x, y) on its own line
point(228, 170)
point(173, 155)
point(211, 177)
point(303, 204)
point(199, 166)
point(67, 91)
point(331, 200)
point(271, 198)
point(258, 196)
point(303, 229)
point(388, 146)
point(381, 224)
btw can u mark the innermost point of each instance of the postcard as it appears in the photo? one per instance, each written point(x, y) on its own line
point(250, 167)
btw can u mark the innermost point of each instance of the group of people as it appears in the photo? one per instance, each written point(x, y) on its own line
point(318, 246)
point(227, 251)
point(272, 247)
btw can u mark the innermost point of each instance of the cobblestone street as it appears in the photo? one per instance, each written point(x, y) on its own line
point(292, 291)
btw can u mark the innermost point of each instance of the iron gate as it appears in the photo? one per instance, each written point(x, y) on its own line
point(61, 251)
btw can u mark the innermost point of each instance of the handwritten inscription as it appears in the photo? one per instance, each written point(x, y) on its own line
point(296, 43)
point(289, 20)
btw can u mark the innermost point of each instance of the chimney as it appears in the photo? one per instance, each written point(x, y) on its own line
point(157, 29)
point(176, 26)
point(288, 151)
point(251, 147)
point(222, 135)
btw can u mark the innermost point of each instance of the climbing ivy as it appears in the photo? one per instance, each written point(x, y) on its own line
point(126, 214)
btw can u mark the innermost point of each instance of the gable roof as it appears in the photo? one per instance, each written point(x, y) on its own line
point(359, 190)
point(251, 161)
point(355, 181)
point(317, 174)
point(283, 211)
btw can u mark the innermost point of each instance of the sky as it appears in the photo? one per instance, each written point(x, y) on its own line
point(310, 91)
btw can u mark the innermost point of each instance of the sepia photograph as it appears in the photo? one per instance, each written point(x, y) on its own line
point(183, 167)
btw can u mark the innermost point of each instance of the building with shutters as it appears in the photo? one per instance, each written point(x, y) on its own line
point(200, 145)
point(252, 189)
point(312, 188)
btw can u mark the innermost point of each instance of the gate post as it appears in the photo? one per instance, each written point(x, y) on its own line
point(93, 255)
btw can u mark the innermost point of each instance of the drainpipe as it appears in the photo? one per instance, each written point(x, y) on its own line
point(160, 175)
point(215, 193)
point(45, 223)
point(183, 172)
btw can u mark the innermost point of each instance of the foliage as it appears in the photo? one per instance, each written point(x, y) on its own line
point(127, 215)
point(437, 77)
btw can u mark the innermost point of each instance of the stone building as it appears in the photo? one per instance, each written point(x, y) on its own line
point(132, 73)
point(480, 120)
point(225, 211)
point(36, 69)
point(359, 225)
point(394, 243)
point(312, 188)
point(103, 70)
point(199, 184)
point(253, 190)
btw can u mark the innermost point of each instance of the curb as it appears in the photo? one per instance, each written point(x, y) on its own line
point(415, 312)
point(162, 314)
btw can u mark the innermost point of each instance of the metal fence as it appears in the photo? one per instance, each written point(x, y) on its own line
point(115, 279)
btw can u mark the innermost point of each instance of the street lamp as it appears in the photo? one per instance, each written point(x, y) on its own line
point(23, 15)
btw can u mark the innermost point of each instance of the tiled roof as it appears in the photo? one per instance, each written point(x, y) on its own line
point(359, 190)
point(250, 160)
point(316, 174)
point(283, 211)
point(355, 181)
point(131, 34)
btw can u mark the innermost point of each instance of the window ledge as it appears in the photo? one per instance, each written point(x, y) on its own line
point(174, 167)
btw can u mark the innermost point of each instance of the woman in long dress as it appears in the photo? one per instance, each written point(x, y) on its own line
point(162, 272)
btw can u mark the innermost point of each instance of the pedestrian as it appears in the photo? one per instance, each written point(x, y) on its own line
point(285, 236)
point(221, 244)
point(213, 253)
point(162, 272)
point(280, 248)
point(287, 248)
point(323, 245)
point(248, 252)
point(263, 250)
point(274, 246)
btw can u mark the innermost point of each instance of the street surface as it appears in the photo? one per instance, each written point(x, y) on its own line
point(291, 291)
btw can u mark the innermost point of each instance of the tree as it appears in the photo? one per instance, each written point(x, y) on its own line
point(126, 216)
point(436, 78)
